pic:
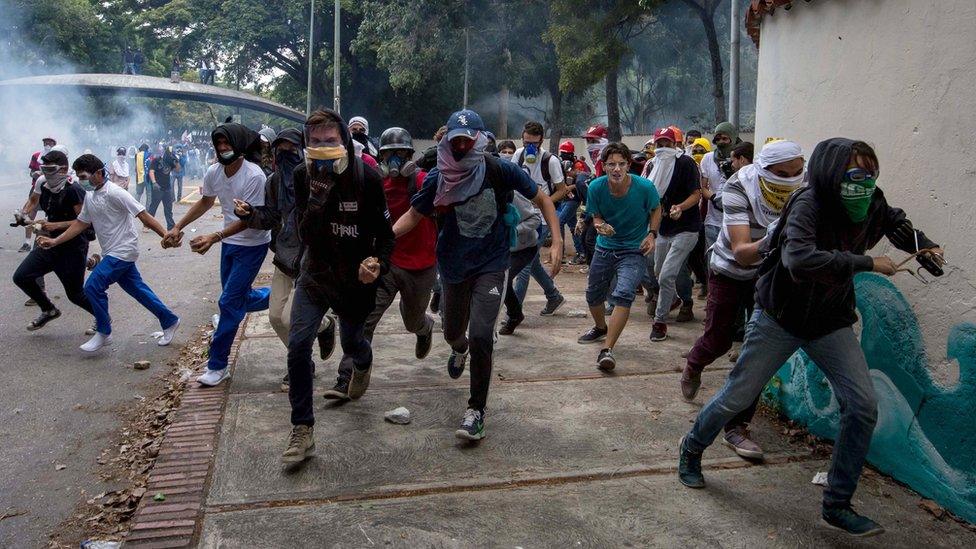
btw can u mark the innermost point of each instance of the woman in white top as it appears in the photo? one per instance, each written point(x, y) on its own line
point(119, 170)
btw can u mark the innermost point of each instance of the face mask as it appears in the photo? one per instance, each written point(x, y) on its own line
point(775, 194)
point(47, 149)
point(531, 153)
point(55, 182)
point(698, 157)
point(506, 156)
point(288, 160)
point(362, 138)
point(594, 150)
point(856, 197)
point(725, 149)
point(227, 157)
point(322, 161)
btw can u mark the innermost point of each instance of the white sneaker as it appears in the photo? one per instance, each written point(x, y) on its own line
point(97, 341)
point(168, 334)
point(215, 320)
point(213, 378)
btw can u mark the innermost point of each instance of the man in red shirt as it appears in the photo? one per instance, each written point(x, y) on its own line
point(413, 262)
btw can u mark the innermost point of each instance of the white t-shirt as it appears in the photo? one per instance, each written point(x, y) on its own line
point(716, 181)
point(247, 185)
point(535, 170)
point(111, 210)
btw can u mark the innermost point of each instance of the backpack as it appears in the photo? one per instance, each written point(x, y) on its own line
point(546, 155)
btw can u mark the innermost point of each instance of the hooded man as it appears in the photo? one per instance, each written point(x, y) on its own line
point(61, 198)
point(344, 223)
point(164, 166)
point(242, 251)
point(359, 129)
point(675, 175)
point(278, 214)
point(805, 300)
point(471, 192)
point(752, 201)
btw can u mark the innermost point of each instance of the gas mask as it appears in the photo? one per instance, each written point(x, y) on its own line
point(531, 153)
point(395, 166)
point(322, 163)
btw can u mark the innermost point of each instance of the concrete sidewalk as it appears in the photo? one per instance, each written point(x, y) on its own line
point(572, 458)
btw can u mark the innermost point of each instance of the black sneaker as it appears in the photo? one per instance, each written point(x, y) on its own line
point(509, 325)
point(844, 518)
point(435, 302)
point(456, 363)
point(326, 337)
point(25, 247)
point(689, 467)
point(659, 331)
point(44, 318)
point(339, 392)
point(605, 362)
point(553, 305)
point(593, 335)
point(472, 426)
point(424, 342)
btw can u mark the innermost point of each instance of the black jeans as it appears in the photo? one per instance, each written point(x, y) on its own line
point(475, 301)
point(306, 320)
point(520, 259)
point(66, 261)
point(163, 194)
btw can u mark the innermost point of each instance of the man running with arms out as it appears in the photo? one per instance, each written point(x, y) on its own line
point(805, 300)
point(626, 213)
point(241, 254)
point(471, 192)
point(111, 211)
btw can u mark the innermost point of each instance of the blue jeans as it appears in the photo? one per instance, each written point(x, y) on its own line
point(538, 272)
point(711, 235)
point(239, 265)
point(567, 218)
point(625, 266)
point(839, 356)
point(110, 271)
point(306, 321)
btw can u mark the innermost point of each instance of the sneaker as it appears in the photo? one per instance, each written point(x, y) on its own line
point(301, 445)
point(593, 335)
point(168, 334)
point(578, 259)
point(844, 518)
point(738, 439)
point(215, 320)
point(689, 467)
point(212, 378)
point(472, 426)
point(605, 361)
point(690, 383)
point(30, 303)
point(326, 339)
point(338, 392)
point(93, 262)
point(651, 304)
point(25, 247)
point(360, 381)
point(435, 302)
point(553, 305)
point(91, 330)
point(659, 331)
point(509, 325)
point(43, 319)
point(424, 342)
point(96, 342)
point(687, 313)
point(608, 311)
point(285, 384)
point(456, 363)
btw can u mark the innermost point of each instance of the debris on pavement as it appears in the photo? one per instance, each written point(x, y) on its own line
point(60, 467)
point(100, 544)
point(820, 479)
point(159, 497)
point(933, 508)
point(400, 416)
point(141, 365)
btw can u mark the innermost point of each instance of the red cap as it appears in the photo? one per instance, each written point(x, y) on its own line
point(567, 147)
point(599, 131)
point(665, 133)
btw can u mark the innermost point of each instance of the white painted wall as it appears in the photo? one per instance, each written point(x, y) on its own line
point(901, 75)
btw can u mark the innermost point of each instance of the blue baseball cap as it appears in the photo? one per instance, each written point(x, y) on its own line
point(466, 123)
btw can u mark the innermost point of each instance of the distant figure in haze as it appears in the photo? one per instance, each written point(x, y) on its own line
point(137, 61)
point(128, 66)
point(175, 73)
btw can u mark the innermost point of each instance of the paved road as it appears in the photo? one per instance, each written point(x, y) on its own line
point(59, 407)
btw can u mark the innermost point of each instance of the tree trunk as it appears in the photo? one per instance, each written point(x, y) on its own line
point(502, 114)
point(718, 74)
point(556, 119)
point(613, 105)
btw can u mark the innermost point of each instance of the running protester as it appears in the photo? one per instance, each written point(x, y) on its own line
point(675, 175)
point(111, 210)
point(716, 169)
point(546, 170)
point(241, 254)
point(34, 166)
point(626, 213)
point(471, 192)
point(278, 215)
point(752, 200)
point(162, 168)
point(61, 198)
point(344, 223)
point(805, 300)
point(413, 268)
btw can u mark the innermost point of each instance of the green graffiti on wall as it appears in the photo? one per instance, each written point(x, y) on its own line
point(926, 433)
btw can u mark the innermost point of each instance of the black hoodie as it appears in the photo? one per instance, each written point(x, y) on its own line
point(352, 225)
point(807, 282)
point(240, 138)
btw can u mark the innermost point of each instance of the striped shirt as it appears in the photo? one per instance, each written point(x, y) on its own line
point(737, 211)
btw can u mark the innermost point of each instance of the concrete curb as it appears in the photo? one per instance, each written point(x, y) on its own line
point(184, 467)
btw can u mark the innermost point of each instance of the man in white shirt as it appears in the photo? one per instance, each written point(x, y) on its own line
point(242, 251)
point(119, 173)
point(546, 170)
point(110, 210)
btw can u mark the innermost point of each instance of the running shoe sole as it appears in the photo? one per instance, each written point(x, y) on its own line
point(606, 364)
point(743, 453)
point(598, 339)
point(359, 382)
point(464, 435)
point(293, 460)
point(877, 531)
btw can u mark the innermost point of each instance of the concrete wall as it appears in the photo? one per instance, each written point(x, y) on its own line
point(901, 75)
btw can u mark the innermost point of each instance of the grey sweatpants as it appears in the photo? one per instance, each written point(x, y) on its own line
point(670, 255)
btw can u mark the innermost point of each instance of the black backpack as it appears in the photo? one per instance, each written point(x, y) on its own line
point(546, 155)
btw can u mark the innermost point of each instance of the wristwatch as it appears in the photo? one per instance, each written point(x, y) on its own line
point(654, 233)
